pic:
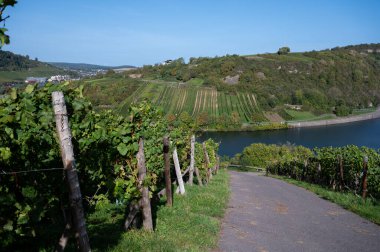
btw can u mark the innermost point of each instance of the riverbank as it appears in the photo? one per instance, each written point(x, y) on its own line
point(342, 120)
point(268, 126)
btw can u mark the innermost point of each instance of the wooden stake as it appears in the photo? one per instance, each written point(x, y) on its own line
point(134, 209)
point(209, 174)
point(178, 172)
point(364, 182)
point(67, 232)
point(168, 191)
point(217, 164)
point(198, 176)
point(341, 180)
point(192, 161)
point(67, 153)
point(145, 201)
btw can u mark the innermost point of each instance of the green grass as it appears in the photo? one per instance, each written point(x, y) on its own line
point(369, 209)
point(363, 111)
point(300, 115)
point(195, 82)
point(307, 116)
point(246, 169)
point(192, 224)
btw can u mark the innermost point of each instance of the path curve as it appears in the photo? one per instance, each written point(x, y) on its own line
point(266, 214)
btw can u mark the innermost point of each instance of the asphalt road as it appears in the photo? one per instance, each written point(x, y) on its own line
point(266, 214)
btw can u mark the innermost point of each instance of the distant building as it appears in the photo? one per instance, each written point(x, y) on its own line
point(33, 80)
point(166, 62)
point(294, 107)
point(59, 78)
point(120, 70)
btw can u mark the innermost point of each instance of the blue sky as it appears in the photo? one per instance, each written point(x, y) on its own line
point(116, 32)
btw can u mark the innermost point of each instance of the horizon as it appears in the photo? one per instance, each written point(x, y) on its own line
point(118, 33)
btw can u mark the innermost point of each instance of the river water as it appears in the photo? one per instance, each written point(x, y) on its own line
point(363, 133)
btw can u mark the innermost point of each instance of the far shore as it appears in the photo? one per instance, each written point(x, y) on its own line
point(349, 119)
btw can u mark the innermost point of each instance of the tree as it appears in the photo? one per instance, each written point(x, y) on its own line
point(283, 50)
point(297, 97)
point(110, 72)
point(185, 118)
point(171, 118)
point(202, 119)
point(4, 38)
point(235, 118)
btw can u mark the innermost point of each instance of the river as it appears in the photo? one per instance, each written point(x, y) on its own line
point(363, 133)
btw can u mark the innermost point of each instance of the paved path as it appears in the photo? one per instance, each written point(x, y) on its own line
point(266, 214)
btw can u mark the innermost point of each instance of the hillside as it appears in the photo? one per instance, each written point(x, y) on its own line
point(233, 90)
point(15, 68)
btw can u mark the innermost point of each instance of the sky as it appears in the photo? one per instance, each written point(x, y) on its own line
point(125, 32)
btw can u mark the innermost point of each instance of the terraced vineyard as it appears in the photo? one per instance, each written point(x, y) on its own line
point(174, 98)
point(195, 100)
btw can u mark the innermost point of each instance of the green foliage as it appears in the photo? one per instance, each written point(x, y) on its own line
point(321, 168)
point(343, 110)
point(200, 159)
point(283, 50)
point(4, 38)
point(105, 145)
point(13, 62)
point(263, 155)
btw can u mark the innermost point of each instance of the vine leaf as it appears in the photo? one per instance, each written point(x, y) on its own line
point(29, 89)
point(122, 148)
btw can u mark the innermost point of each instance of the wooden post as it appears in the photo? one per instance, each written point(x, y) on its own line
point(341, 175)
point(209, 174)
point(178, 172)
point(134, 208)
point(304, 169)
point(67, 153)
point(168, 191)
point(192, 161)
point(145, 201)
point(67, 232)
point(364, 183)
point(198, 176)
point(217, 164)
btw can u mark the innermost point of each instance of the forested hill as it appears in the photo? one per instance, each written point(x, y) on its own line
point(14, 62)
point(319, 79)
point(15, 68)
point(238, 89)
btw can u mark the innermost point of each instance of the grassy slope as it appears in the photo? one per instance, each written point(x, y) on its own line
point(368, 209)
point(307, 115)
point(41, 71)
point(192, 224)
